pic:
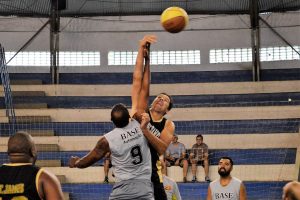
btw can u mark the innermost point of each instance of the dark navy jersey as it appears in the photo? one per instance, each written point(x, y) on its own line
point(18, 181)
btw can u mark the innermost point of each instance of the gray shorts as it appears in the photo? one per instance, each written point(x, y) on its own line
point(132, 190)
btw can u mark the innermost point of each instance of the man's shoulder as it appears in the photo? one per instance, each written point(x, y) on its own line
point(169, 122)
point(112, 135)
point(181, 144)
point(110, 132)
point(204, 145)
point(169, 125)
point(236, 180)
point(168, 178)
point(133, 121)
point(215, 182)
point(201, 146)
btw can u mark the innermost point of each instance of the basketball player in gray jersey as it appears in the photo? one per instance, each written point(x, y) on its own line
point(226, 187)
point(130, 156)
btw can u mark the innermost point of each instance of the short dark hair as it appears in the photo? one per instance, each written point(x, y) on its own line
point(199, 136)
point(227, 158)
point(120, 115)
point(171, 101)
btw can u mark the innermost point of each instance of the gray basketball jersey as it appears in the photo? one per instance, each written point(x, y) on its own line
point(228, 192)
point(130, 154)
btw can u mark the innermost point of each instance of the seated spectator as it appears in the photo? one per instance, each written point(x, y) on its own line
point(107, 165)
point(291, 191)
point(199, 156)
point(175, 156)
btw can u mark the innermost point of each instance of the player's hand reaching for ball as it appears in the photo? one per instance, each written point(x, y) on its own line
point(147, 39)
point(145, 44)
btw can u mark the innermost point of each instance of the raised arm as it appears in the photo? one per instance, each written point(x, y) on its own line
point(167, 134)
point(101, 148)
point(138, 74)
point(145, 89)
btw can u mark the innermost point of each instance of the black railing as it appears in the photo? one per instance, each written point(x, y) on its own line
point(10, 112)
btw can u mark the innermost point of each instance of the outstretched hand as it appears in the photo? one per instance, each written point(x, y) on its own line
point(148, 39)
point(73, 160)
point(145, 120)
point(145, 44)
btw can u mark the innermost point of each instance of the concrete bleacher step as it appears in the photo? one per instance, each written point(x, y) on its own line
point(30, 105)
point(62, 178)
point(47, 147)
point(26, 82)
point(33, 119)
point(48, 163)
point(36, 133)
point(66, 196)
point(28, 93)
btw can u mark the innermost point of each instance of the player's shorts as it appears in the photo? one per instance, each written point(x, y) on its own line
point(133, 190)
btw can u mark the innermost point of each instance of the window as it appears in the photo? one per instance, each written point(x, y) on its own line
point(42, 58)
point(230, 55)
point(121, 57)
point(279, 53)
point(29, 58)
point(245, 54)
point(157, 57)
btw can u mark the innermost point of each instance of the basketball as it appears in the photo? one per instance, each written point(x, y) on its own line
point(174, 19)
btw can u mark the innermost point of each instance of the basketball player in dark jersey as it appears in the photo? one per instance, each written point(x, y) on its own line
point(21, 179)
point(161, 128)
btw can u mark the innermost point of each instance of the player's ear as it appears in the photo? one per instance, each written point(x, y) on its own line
point(33, 153)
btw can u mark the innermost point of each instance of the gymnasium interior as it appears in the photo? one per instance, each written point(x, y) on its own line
point(233, 72)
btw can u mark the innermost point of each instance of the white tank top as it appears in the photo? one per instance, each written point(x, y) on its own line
point(228, 192)
point(130, 154)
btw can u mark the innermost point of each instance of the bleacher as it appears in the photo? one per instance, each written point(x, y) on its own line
point(256, 123)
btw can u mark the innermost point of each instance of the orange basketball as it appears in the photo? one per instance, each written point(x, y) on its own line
point(174, 19)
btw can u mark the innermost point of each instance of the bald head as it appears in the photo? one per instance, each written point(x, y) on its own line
point(291, 191)
point(120, 115)
point(21, 145)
